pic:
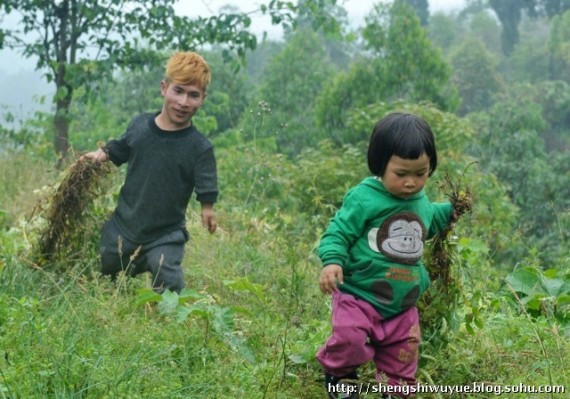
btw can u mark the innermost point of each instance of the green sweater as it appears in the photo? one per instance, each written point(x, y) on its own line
point(378, 239)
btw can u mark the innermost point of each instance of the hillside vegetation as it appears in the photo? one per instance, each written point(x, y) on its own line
point(290, 130)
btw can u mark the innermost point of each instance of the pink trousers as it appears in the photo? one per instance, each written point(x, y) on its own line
point(360, 334)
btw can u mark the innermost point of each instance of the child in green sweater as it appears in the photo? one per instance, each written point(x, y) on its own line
point(371, 253)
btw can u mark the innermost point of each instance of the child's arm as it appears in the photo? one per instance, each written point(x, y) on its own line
point(443, 215)
point(344, 229)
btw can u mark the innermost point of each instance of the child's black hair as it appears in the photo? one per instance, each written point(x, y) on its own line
point(404, 135)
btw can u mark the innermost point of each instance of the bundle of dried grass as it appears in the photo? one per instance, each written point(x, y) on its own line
point(462, 201)
point(438, 304)
point(66, 207)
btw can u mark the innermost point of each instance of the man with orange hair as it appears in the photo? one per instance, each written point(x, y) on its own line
point(168, 159)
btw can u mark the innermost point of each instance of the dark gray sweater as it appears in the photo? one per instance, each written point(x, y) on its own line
point(164, 168)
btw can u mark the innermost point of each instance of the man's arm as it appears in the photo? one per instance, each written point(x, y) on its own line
point(206, 187)
point(116, 150)
point(97, 156)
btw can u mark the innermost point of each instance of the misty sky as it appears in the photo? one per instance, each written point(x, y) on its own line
point(19, 84)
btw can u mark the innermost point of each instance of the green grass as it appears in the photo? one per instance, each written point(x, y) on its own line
point(67, 332)
point(21, 177)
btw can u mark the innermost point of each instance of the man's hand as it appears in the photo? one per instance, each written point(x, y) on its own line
point(329, 275)
point(96, 156)
point(209, 217)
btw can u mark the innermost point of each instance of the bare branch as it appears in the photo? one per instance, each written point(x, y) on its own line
point(92, 23)
point(46, 25)
point(108, 32)
point(74, 34)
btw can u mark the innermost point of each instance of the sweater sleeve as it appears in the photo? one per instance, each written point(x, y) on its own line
point(343, 231)
point(205, 177)
point(441, 216)
point(119, 149)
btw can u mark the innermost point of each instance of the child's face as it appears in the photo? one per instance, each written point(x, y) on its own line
point(406, 177)
point(180, 103)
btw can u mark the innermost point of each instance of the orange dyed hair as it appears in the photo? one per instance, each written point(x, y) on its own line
point(188, 68)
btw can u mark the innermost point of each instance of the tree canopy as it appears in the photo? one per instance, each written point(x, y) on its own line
point(400, 62)
point(77, 42)
point(510, 13)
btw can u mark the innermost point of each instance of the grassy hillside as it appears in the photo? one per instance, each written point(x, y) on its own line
point(248, 325)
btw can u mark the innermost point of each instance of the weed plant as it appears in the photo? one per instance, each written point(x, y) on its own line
point(68, 204)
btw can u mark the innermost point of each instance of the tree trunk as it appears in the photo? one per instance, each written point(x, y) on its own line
point(61, 125)
point(509, 13)
point(64, 90)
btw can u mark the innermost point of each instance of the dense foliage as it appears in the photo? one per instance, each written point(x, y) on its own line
point(290, 129)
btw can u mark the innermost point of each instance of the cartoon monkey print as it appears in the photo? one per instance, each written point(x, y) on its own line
point(400, 238)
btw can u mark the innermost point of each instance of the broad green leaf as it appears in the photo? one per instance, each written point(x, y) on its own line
point(223, 319)
point(243, 284)
point(475, 311)
point(246, 353)
point(298, 358)
point(473, 245)
point(550, 273)
point(533, 302)
point(61, 93)
point(200, 311)
point(525, 280)
point(242, 310)
point(188, 294)
point(146, 295)
point(468, 320)
point(478, 322)
point(563, 300)
point(169, 302)
point(553, 286)
point(182, 313)
point(469, 329)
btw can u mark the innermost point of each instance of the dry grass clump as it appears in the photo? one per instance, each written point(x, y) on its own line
point(66, 207)
point(462, 201)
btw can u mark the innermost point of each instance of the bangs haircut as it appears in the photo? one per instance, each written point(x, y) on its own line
point(188, 68)
point(404, 135)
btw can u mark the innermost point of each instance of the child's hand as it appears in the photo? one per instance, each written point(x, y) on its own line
point(329, 275)
point(453, 219)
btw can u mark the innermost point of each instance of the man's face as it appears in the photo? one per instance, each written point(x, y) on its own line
point(180, 104)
